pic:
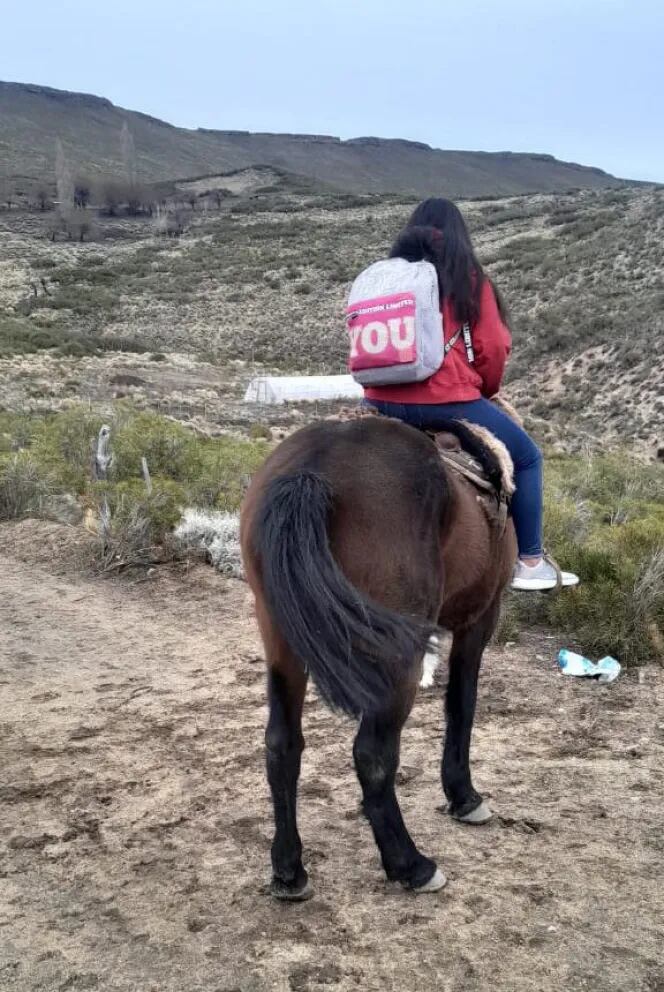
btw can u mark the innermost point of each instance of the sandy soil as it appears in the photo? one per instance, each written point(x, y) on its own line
point(134, 821)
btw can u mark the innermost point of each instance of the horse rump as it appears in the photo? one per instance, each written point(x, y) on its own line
point(357, 651)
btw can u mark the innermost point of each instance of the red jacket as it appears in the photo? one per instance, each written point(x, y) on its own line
point(456, 380)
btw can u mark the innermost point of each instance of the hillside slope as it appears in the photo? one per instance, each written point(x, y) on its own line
point(262, 283)
point(32, 117)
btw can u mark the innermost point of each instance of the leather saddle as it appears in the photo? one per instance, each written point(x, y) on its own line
point(491, 491)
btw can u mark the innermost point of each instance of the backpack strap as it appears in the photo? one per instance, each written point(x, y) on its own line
point(467, 340)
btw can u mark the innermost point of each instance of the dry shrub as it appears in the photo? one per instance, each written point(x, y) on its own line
point(140, 523)
point(216, 535)
point(22, 486)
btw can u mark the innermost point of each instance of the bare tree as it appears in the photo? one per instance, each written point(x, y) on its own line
point(6, 193)
point(111, 196)
point(63, 179)
point(139, 199)
point(137, 196)
point(102, 460)
point(172, 223)
point(134, 201)
point(43, 198)
point(128, 154)
point(80, 225)
point(82, 191)
point(54, 227)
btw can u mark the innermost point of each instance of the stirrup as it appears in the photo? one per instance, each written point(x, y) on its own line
point(550, 560)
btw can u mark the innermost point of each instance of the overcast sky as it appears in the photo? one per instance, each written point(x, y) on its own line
point(580, 79)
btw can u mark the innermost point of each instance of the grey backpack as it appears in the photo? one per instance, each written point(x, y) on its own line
point(395, 325)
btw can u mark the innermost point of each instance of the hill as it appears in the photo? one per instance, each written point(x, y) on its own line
point(260, 283)
point(33, 117)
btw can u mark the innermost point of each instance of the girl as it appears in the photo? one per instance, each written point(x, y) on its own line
point(460, 390)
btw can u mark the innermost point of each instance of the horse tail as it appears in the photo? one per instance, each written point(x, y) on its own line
point(356, 650)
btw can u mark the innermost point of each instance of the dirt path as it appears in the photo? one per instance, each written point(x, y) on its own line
point(134, 823)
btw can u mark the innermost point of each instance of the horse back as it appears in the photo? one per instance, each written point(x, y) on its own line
point(405, 532)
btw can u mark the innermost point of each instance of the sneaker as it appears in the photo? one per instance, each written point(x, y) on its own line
point(539, 578)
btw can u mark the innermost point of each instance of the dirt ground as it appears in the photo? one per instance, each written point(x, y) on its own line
point(135, 825)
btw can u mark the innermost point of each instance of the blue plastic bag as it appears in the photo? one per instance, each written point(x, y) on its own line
point(605, 670)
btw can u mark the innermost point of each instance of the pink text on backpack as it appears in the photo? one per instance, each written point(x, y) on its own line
point(382, 332)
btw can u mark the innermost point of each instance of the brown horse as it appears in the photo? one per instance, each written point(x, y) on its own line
point(358, 545)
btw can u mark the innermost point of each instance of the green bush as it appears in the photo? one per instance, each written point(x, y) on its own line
point(260, 432)
point(22, 484)
point(604, 516)
point(63, 444)
point(20, 336)
point(604, 520)
point(619, 607)
point(185, 470)
point(228, 464)
point(84, 301)
point(171, 450)
point(16, 431)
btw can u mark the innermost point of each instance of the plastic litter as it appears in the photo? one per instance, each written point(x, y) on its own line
point(605, 670)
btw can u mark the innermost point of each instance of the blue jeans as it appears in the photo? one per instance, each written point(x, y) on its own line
point(527, 458)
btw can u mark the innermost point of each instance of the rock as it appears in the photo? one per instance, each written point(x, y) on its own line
point(62, 509)
point(407, 773)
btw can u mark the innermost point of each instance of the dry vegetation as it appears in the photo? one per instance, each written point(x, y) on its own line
point(261, 279)
point(46, 470)
point(604, 515)
point(137, 325)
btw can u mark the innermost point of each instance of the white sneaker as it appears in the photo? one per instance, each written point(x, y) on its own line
point(539, 578)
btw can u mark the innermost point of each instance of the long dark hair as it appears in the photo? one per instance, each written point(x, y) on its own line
point(437, 233)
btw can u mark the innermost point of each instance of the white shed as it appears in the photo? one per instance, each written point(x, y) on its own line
point(269, 389)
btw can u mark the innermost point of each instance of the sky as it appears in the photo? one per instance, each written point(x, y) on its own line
point(579, 79)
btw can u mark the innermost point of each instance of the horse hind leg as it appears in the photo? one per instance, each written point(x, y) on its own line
point(464, 803)
point(376, 754)
point(284, 746)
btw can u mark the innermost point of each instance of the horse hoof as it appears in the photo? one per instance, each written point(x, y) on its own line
point(477, 817)
point(435, 883)
point(286, 894)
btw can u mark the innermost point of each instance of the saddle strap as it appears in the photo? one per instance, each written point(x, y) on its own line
point(503, 508)
point(466, 466)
